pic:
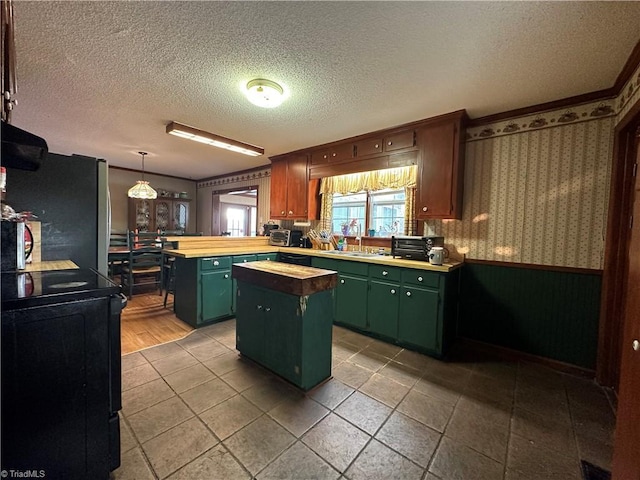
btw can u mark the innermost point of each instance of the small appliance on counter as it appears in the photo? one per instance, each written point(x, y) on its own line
point(285, 238)
point(14, 245)
point(414, 248)
point(268, 228)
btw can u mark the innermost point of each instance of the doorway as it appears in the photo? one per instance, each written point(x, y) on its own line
point(234, 212)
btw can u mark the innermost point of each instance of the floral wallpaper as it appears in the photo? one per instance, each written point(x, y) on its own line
point(536, 196)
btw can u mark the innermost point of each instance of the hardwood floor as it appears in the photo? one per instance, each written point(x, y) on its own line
point(145, 323)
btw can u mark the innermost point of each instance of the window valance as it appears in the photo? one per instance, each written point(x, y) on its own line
point(401, 177)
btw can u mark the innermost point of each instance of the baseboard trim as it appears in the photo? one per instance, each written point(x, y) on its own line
point(516, 355)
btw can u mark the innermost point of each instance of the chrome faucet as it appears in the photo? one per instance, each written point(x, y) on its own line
point(359, 236)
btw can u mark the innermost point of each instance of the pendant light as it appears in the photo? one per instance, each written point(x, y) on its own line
point(142, 189)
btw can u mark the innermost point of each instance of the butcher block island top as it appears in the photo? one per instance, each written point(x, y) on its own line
point(285, 277)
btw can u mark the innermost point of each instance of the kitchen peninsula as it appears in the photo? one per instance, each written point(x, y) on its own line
point(406, 302)
point(284, 319)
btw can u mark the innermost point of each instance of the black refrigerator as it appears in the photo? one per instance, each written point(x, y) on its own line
point(61, 374)
point(70, 196)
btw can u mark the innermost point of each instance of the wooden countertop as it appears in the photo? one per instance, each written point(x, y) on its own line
point(49, 265)
point(285, 277)
point(202, 252)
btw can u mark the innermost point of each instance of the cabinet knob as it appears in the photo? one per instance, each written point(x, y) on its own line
point(377, 145)
point(324, 156)
point(408, 294)
point(635, 345)
point(216, 263)
point(244, 261)
point(341, 281)
point(258, 307)
point(290, 212)
point(419, 279)
point(267, 309)
point(385, 273)
point(333, 154)
point(226, 276)
point(389, 143)
point(393, 292)
point(424, 209)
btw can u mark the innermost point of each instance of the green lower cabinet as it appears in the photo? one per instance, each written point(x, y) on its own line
point(382, 306)
point(288, 334)
point(251, 330)
point(203, 290)
point(239, 259)
point(351, 301)
point(266, 256)
point(216, 294)
point(419, 318)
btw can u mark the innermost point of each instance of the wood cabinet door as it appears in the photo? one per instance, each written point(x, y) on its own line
point(297, 187)
point(215, 298)
point(418, 319)
point(434, 195)
point(278, 191)
point(351, 301)
point(383, 304)
point(626, 458)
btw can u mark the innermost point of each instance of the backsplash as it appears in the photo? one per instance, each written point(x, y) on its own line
point(536, 195)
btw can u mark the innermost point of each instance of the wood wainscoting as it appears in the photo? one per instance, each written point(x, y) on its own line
point(146, 323)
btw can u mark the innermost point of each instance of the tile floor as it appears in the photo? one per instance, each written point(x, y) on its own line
point(195, 409)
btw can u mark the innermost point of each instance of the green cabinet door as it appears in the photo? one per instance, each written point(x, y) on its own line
point(351, 301)
point(250, 331)
point(282, 325)
point(215, 295)
point(383, 304)
point(267, 256)
point(419, 318)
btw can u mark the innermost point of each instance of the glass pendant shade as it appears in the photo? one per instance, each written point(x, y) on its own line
point(142, 189)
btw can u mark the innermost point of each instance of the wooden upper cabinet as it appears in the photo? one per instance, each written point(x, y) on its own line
point(290, 196)
point(440, 170)
point(369, 146)
point(400, 141)
point(335, 153)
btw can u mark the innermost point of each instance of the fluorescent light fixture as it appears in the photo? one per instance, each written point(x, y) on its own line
point(201, 136)
point(264, 93)
point(142, 189)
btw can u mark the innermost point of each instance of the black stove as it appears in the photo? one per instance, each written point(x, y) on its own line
point(28, 289)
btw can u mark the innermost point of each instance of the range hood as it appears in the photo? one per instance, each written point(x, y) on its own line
point(21, 149)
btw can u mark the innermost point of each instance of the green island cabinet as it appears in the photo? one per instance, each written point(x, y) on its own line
point(414, 308)
point(204, 288)
point(284, 319)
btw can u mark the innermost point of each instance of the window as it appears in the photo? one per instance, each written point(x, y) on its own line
point(357, 213)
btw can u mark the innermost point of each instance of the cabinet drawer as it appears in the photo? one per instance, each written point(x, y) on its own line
point(399, 141)
point(383, 272)
point(353, 268)
point(214, 263)
point(341, 152)
point(267, 256)
point(421, 278)
point(319, 157)
point(243, 258)
point(369, 147)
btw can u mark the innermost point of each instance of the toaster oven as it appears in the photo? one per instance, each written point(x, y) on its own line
point(280, 237)
point(414, 248)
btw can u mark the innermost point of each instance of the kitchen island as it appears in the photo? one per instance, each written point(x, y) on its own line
point(284, 319)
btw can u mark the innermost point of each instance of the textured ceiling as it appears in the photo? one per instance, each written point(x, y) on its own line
point(104, 78)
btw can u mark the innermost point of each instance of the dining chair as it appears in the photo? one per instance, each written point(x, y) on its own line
point(118, 253)
point(167, 278)
point(144, 264)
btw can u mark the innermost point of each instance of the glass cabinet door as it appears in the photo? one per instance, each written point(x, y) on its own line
point(143, 215)
point(180, 216)
point(162, 214)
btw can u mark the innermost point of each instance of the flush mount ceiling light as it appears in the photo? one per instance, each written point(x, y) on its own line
point(142, 189)
point(201, 136)
point(264, 93)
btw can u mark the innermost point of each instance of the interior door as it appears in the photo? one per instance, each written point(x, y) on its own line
point(626, 460)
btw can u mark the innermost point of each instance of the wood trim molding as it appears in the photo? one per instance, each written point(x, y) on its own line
point(147, 172)
point(625, 74)
point(611, 92)
point(534, 266)
point(614, 274)
point(518, 356)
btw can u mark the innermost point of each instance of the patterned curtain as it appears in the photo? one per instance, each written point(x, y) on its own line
point(326, 207)
point(376, 180)
point(410, 222)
